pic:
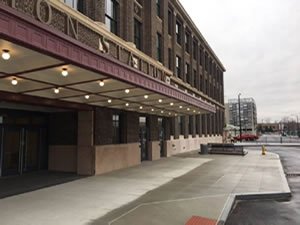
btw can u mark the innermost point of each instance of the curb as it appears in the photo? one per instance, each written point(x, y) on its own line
point(269, 145)
point(234, 198)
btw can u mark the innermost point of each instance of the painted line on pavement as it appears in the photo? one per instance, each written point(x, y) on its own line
point(166, 201)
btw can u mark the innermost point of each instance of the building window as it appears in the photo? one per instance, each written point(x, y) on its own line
point(158, 8)
point(187, 73)
point(195, 78)
point(116, 137)
point(178, 32)
point(201, 56)
point(111, 16)
point(138, 34)
point(170, 22)
point(140, 2)
point(187, 42)
point(159, 47)
point(195, 49)
point(75, 4)
point(206, 61)
point(170, 58)
point(178, 66)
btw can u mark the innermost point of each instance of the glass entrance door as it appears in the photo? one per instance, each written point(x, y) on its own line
point(11, 149)
point(31, 149)
point(20, 148)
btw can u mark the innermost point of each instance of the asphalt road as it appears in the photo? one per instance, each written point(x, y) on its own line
point(273, 212)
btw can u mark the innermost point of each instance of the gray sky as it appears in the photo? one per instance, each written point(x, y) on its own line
point(258, 41)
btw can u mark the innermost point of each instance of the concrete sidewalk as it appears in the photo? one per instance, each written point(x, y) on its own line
point(182, 187)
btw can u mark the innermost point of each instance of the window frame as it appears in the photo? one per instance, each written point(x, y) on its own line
point(159, 47)
point(178, 67)
point(178, 31)
point(138, 38)
point(115, 5)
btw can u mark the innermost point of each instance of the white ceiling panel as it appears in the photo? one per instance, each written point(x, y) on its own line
point(23, 85)
point(49, 93)
point(23, 59)
point(54, 76)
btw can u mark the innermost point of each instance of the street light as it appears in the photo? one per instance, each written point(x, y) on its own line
point(240, 119)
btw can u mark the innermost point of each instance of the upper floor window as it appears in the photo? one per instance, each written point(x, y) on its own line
point(178, 32)
point(159, 47)
point(138, 34)
point(140, 2)
point(187, 42)
point(187, 73)
point(201, 56)
point(195, 49)
point(206, 61)
point(170, 58)
point(75, 4)
point(178, 66)
point(158, 8)
point(195, 78)
point(170, 22)
point(111, 16)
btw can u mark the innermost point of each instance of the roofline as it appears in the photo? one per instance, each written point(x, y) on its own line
point(199, 33)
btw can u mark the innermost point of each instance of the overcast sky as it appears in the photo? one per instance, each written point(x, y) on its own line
point(258, 41)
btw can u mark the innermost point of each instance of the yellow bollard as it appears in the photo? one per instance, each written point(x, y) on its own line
point(263, 150)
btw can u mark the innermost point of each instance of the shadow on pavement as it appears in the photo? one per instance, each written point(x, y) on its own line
point(14, 185)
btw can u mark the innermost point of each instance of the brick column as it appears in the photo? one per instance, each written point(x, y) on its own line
point(198, 125)
point(126, 20)
point(130, 127)
point(204, 120)
point(167, 127)
point(193, 125)
point(96, 10)
point(175, 127)
point(153, 142)
point(85, 145)
point(186, 126)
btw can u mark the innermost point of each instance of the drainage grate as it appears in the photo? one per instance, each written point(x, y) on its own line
point(292, 174)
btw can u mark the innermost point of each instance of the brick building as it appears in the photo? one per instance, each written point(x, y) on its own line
point(248, 114)
point(94, 86)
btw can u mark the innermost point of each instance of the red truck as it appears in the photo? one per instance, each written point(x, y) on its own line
point(246, 137)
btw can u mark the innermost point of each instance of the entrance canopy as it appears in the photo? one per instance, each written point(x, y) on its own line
point(42, 66)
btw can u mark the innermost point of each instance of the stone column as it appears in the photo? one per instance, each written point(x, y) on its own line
point(193, 125)
point(85, 145)
point(186, 126)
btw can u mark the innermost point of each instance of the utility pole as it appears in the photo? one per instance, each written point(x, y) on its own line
point(240, 118)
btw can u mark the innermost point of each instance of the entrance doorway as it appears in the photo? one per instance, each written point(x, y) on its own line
point(21, 149)
point(23, 142)
point(143, 137)
point(161, 131)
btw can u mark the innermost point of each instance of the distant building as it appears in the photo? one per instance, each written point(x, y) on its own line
point(248, 114)
point(268, 127)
